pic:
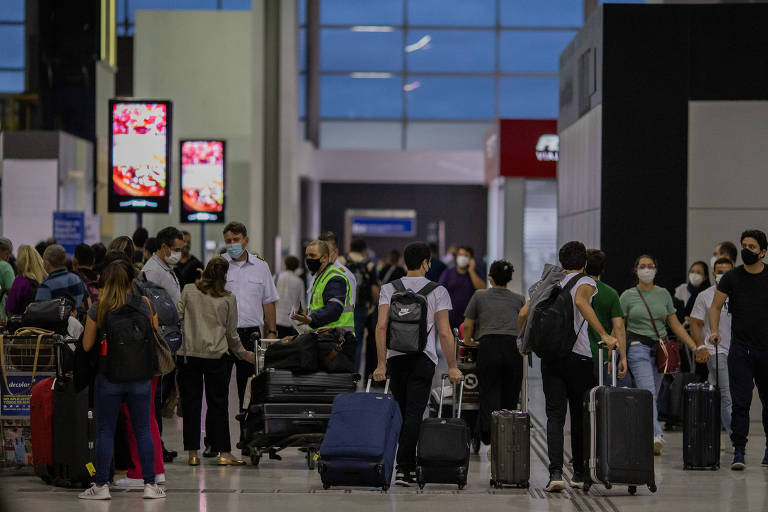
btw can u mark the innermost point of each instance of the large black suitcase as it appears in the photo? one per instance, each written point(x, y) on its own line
point(442, 455)
point(701, 426)
point(283, 386)
point(511, 442)
point(618, 435)
point(279, 420)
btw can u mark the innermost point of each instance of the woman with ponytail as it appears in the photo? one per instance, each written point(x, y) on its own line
point(491, 321)
point(208, 313)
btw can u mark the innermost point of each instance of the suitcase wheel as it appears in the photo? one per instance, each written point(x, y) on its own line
point(632, 490)
point(326, 486)
point(608, 485)
point(255, 457)
point(587, 486)
point(461, 486)
point(525, 485)
point(652, 487)
point(493, 483)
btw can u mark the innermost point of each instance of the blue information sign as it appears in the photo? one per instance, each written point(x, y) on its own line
point(373, 226)
point(69, 230)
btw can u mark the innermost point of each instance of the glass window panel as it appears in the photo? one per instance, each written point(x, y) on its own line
point(12, 46)
point(302, 95)
point(348, 50)
point(361, 12)
point(11, 10)
point(120, 11)
point(467, 13)
point(163, 5)
point(302, 49)
point(542, 13)
point(539, 228)
point(360, 135)
point(302, 12)
point(528, 98)
point(444, 135)
point(236, 5)
point(11, 81)
point(532, 50)
point(450, 97)
point(451, 50)
point(346, 96)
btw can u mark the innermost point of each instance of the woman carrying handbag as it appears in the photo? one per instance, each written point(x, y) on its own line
point(648, 311)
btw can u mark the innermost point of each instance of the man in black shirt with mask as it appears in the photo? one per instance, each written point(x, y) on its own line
point(746, 287)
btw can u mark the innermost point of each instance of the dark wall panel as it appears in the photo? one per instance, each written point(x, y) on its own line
point(462, 207)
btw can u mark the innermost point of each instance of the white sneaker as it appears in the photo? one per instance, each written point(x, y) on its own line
point(658, 444)
point(130, 482)
point(96, 492)
point(153, 491)
point(160, 479)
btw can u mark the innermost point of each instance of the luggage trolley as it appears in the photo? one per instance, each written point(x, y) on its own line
point(466, 357)
point(255, 441)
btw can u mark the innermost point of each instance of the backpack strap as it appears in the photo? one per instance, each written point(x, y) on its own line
point(568, 287)
point(428, 288)
point(398, 284)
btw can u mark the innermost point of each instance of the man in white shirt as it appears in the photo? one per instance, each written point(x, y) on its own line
point(290, 287)
point(566, 380)
point(700, 333)
point(250, 280)
point(411, 374)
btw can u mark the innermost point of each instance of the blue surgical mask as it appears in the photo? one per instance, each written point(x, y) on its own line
point(234, 250)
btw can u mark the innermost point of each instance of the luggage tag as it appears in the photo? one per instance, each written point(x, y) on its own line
point(91, 469)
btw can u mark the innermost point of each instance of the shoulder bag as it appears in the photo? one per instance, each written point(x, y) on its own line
point(165, 364)
point(668, 351)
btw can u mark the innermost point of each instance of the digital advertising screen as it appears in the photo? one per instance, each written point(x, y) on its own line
point(202, 180)
point(139, 155)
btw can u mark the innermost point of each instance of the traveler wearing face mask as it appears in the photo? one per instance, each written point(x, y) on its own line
point(686, 293)
point(700, 332)
point(746, 289)
point(159, 268)
point(250, 280)
point(189, 269)
point(641, 334)
point(461, 282)
point(329, 298)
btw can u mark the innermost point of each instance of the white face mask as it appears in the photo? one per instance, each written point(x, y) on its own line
point(174, 258)
point(718, 277)
point(646, 275)
point(462, 261)
point(695, 279)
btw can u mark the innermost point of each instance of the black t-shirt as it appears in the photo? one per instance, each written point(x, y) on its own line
point(748, 305)
point(187, 272)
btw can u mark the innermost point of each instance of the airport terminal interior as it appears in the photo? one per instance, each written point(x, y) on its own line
point(269, 138)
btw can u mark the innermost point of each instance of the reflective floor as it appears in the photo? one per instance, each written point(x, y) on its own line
point(289, 485)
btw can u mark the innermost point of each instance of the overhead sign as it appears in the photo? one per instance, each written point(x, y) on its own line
point(202, 180)
point(139, 155)
point(69, 230)
point(522, 148)
point(386, 223)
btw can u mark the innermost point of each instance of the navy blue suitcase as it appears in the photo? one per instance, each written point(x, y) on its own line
point(360, 443)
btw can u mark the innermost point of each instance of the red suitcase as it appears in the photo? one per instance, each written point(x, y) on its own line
point(41, 420)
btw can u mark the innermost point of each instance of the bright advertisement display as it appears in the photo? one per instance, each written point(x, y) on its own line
point(139, 155)
point(202, 181)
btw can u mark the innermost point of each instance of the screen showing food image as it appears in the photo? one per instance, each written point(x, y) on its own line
point(139, 159)
point(202, 178)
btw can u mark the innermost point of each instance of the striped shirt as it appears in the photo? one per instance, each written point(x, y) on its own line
point(59, 284)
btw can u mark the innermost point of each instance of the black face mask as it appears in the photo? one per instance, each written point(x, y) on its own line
point(749, 257)
point(313, 265)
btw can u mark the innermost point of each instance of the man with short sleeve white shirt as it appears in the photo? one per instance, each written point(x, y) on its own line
point(411, 374)
point(700, 332)
point(250, 280)
point(567, 379)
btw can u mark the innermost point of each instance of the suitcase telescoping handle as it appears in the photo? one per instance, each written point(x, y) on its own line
point(58, 345)
point(524, 395)
point(370, 380)
point(614, 369)
point(456, 410)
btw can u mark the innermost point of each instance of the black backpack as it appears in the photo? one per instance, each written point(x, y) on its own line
point(408, 311)
point(551, 333)
point(130, 345)
point(164, 308)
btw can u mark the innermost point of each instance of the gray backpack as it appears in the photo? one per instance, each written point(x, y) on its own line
point(408, 311)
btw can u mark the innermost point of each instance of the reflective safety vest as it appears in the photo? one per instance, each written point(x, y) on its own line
point(347, 319)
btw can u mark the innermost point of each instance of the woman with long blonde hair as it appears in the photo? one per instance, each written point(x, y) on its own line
point(31, 274)
point(108, 396)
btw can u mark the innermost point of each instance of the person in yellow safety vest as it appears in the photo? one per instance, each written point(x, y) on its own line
point(330, 303)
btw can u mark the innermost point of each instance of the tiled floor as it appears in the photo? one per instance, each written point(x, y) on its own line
point(288, 485)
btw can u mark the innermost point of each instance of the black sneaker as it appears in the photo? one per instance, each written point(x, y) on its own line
point(556, 482)
point(404, 479)
point(578, 480)
point(168, 456)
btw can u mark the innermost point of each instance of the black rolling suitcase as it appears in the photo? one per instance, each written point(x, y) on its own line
point(701, 425)
point(289, 419)
point(618, 435)
point(442, 455)
point(511, 442)
point(284, 386)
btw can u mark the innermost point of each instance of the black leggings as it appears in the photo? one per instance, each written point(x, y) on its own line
point(500, 375)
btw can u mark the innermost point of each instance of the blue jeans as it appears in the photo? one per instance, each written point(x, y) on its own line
point(646, 376)
point(107, 398)
point(361, 315)
point(725, 389)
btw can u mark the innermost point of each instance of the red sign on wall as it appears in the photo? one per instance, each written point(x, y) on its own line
point(525, 148)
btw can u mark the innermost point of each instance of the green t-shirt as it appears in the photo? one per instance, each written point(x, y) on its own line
point(6, 281)
point(638, 321)
point(607, 307)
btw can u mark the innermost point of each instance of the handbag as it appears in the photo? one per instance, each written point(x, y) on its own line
point(51, 314)
point(668, 351)
point(165, 363)
point(330, 351)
